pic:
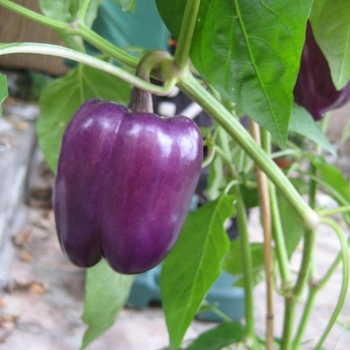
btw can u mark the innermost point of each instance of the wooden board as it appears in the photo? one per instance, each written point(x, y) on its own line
point(15, 28)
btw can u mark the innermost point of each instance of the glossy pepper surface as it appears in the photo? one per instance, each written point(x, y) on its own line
point(314, 89)
point(124, 184)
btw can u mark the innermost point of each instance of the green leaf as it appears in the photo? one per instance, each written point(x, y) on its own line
point(67, 11)
point(225, 334)
point(193, 265)
point(61, 99)
point(3, 90)
point(293, 228)
point(334, 178)
point(330, 22)
point(106, 293)
point(250, 196)
point(303, 124)
point(255, 66)
point(172, 12)
point(232, 262)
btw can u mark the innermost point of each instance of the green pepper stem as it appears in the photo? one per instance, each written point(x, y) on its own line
point(141, 99)
point(186, 33)
point(192, 88)
point(106, 47)
point(59, 51)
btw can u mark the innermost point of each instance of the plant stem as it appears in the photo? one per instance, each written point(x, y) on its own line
point(264, 201)
point(106, 47)
point(305, 317)
point(199, 94)
point(288, 326)
point(242, 223)
point(345, 279)
point(83, 10)
point(142, 100)
point(247, 267)
point(309, 242)
point(278, 236)
point(186, 33)
point(339, 210)
point(60, 51)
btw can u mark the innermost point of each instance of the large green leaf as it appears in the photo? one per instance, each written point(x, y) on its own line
point(63, 97)
point(106, 293)
point(194, 264)
point(3, 90)
point(330, 21)
point(249, 51)
point(303, 124)
point(225, 334)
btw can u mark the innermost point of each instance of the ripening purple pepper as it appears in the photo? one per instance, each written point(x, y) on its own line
point(314, 89)
point(124, 184)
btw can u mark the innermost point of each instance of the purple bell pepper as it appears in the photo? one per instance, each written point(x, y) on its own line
point(314, 89)
point(124, 184)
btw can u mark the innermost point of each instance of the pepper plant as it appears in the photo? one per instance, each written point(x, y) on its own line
point(233, 58)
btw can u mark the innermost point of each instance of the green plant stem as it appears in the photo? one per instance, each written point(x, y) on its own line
point(308, 249)
point(224, 158)
point(286, 152)
point(306, 271)
point(288, 325)
point(265, 212)
point(242, 222)
point(106, 47)
point(305, 317)
point(345, 279)
point(60, 51)
point(247, 267)
point(141, 100)
point(303, 275)
point(278, 236)
point(186, 33)
point(316, 286)
point(340, 210)
point(307, 258)
point(83, 10)
point(198, 93)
